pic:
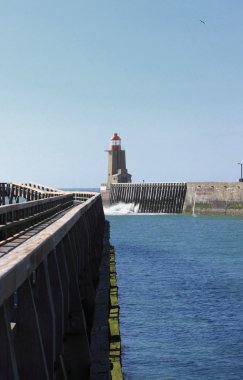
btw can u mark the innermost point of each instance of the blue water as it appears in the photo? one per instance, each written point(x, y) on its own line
point(181, 296)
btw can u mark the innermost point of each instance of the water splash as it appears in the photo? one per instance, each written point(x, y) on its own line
point(122, 209)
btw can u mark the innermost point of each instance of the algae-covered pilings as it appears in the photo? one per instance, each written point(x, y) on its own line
point(105, 334)
point(115, 340)
point(214, 198)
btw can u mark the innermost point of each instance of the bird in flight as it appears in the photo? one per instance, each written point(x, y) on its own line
point(202, 21)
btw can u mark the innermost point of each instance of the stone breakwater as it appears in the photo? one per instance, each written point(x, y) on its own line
point(225, 198)
point(175, 198)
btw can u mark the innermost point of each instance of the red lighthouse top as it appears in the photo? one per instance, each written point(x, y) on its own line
point(115, 142)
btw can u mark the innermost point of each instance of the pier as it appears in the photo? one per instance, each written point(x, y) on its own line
point(53, 250)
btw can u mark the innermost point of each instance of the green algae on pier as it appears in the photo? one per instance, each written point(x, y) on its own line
point(115, 340)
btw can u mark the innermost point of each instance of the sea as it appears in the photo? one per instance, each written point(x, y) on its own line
point(180, 284)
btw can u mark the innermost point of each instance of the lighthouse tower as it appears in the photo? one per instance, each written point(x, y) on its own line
point(117, 172)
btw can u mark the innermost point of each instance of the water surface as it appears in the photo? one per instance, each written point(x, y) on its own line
point(181, 296)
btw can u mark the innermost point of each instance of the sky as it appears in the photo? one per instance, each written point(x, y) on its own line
point(73, 72)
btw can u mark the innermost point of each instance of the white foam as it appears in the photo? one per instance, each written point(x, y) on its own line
point(122, 209)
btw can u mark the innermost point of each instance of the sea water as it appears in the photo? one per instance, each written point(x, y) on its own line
point(180, 284)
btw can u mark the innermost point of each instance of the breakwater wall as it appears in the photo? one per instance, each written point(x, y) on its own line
point(191, 197)
point(214, 198)
point(150, 197)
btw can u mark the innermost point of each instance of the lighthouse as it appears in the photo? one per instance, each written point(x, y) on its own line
point(117, 172)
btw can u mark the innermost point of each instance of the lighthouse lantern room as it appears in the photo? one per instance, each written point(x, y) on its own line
point(115, 142)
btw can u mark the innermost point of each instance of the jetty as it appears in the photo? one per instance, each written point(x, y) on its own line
point(55, 291)
point(224, 198)
point(208, 198)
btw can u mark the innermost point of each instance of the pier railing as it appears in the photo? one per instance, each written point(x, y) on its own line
point(83, 196)
point(26, 192)
point(44, 188)
point(16, 193)
point(17, 218)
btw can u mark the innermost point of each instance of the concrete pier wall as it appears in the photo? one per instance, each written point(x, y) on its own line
point(214, 198)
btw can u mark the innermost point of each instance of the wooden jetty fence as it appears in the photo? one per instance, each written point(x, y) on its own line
point(17, 192)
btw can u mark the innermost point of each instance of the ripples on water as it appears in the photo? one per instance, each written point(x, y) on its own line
point(181, 296)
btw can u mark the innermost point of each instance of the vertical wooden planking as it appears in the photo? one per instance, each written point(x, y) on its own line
point(171, 191)
point(116, 194)
point(166, 206)
point(135, 194)
point(159, 195)
point(160, 198)
point(154, 198)
point(142, 198)
point(129, 195)
point(176, 198)
point(126, 189)
point(162, 210)
point(111, 194)
point(123, 192)
point(119, 190)
point(146, 198)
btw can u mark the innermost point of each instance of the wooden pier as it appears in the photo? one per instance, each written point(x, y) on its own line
point(150, 197)
point(51, 247)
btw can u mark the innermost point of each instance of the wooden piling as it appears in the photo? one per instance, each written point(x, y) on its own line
point(151, 197)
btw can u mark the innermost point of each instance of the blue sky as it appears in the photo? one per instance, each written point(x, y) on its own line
point(72, 73)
